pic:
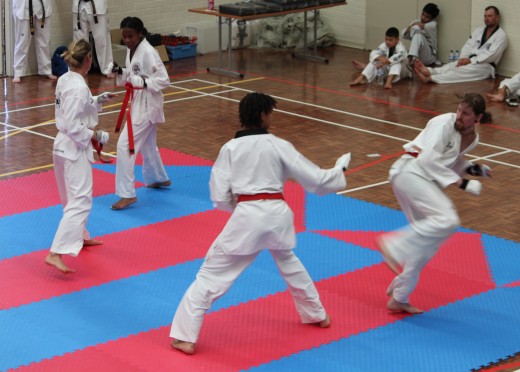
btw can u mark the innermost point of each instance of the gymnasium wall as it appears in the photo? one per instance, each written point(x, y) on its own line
point(349, 22)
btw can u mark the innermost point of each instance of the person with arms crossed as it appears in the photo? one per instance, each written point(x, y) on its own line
point(76, 120)
point(387, 60)
point(32, 18)
point(478, 58)
point(145, 76)
point(248, 179)
point(422, 33)
point(433, 161)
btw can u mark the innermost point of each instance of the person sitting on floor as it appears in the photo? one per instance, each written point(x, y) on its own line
point(387, 60)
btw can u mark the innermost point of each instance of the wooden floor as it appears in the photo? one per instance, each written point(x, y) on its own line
point(318, 112)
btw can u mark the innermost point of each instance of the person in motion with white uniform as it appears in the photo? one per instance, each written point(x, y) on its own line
point(422, 33)
point(76, 120)
point(388, 60)
point(507, 88)
point(433, 161)
point(478, 58)
point(32, 18)
point(247, 179)
point(92, 16)
point(146, 76)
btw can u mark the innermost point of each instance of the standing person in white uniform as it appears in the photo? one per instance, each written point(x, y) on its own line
point(146, 76)
point(248, 179)
point(32, 18)
point(506, 88)
point(433, 161)
point(388, 60)
point(92, 16)
point(478, 57)
point(422, 33)
point(76, 119)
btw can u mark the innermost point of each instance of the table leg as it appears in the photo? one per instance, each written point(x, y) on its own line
point(220, 69)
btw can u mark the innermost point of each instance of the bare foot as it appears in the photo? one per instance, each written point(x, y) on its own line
point(17, 79)
point(388, 83)
point(359, 80)
point(123, 203)
point(358, 65)
point(497, 97)
point(52, 77)
point(90, 242)
point(420, 68)
point(159, 184)
point(54, 259)
point(325, 323)
point(184, 346)
point(390, 261)
point(398, 307)
point(423, 78)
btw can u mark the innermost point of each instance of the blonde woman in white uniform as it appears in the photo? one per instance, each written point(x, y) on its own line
point(76, 119)
point(248, 179)
point(32, 18)
point(433, 161)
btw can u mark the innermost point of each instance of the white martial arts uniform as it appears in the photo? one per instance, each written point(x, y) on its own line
point(418, 185)
point(423, 43)
point(76, 118)
point(251, 163)
point(396, 66)
point(22, 34)
point(147, 111)
point(513, 84)
point(484, 58)
point(86, 23)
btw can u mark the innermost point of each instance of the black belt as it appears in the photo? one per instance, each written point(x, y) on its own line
point(31, 16)
point(491, 63)
point(93, 11)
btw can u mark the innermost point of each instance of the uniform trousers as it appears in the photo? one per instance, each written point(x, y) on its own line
point(432, 218)
point(42, 37)
point(420, 48)
point(145, 142)
point(450, 73)
point(370, 71)
point(100, 33)
point(220, 270)
point(74, 180)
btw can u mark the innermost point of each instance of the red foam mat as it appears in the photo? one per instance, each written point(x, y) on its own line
point(38, 191)
point(462, 254)
point(120, 256)
point(269, 327)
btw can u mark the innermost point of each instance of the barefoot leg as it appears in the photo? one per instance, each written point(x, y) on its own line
point(54, 259)
point(90, 242)
point(359, 80)
point(358, 65)
point(398, 307)
point(123, 203)
point(184, 346)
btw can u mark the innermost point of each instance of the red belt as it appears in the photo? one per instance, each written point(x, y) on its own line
point(99, 147)
point(127, 101)
point(261, 196)
point(414, 154)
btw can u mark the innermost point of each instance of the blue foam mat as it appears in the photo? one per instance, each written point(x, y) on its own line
point(102, 313)
point(187, 195)
point(456, 337)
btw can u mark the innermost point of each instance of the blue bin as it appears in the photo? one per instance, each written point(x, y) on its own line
point(181, 51)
